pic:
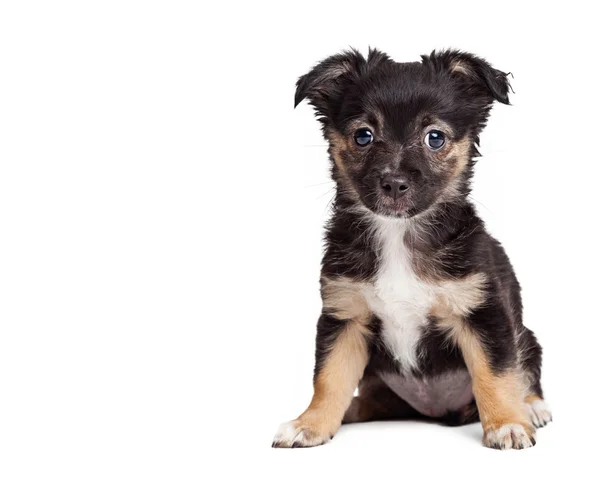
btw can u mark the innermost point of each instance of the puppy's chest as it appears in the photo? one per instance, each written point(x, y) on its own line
point(400, 299)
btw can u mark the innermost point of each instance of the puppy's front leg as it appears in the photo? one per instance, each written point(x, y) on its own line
point(499, 393)
point(342, 354)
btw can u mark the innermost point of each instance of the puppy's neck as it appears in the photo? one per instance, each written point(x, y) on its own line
point(424, 233)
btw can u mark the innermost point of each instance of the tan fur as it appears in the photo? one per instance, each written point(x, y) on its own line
point(335, 384)
point(344, 365)
point(458, 297)
point(532, 398)
point(460, 67)
point(343, 298)
point(336, 71)
point(459, 152)
point(435, 123)
point(337, 147)
point(455, 161)
point(499, 397)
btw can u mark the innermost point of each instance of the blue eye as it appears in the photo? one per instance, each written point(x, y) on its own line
point(363, 137)
point(435, 139)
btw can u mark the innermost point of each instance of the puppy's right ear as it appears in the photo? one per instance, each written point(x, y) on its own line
point(325, 83)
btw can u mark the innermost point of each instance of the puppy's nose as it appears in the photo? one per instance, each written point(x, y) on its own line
point(394, 186)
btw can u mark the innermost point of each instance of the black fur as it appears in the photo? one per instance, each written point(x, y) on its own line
point(401, 101)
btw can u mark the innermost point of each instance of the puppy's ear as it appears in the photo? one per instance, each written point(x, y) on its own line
point(476, 74)
point(326, 82)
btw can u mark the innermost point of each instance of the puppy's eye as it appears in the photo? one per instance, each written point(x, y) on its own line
point(435, 139)
point(363, 137)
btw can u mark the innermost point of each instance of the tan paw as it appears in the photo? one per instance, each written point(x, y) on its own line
point(509, 436)
point(539, 412)
point(297, 434)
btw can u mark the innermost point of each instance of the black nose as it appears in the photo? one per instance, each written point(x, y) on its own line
point(394, 186)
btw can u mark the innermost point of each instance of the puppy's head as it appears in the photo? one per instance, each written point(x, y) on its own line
point(402, 135)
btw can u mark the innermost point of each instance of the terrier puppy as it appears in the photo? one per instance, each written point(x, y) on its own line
point(421, 307)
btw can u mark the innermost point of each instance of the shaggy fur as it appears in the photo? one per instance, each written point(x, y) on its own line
point(421, 307)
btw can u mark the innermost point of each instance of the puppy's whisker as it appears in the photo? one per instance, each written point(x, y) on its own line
point(479, 202)
point(329, 191)
point(330, 182)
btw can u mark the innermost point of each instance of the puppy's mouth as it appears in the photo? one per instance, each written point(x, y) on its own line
point(402, 207)
point(399, 207)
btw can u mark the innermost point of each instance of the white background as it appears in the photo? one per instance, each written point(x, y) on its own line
point(161, 212)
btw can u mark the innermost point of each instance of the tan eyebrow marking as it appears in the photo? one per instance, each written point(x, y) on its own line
point(438, 124)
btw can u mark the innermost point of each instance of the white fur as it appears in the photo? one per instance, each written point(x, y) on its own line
point(539, 412)
point(398, 297)
point(508, 436)
point(287, 434)
point(293, 434)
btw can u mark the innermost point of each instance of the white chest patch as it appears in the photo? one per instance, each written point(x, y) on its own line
point(399, 298)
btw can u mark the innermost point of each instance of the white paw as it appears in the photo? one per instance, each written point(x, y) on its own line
point(539, 413)
point(295, 434)
point(508, 436)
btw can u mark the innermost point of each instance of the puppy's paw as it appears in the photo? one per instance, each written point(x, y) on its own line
point(509, 436)
point(297, 434)
point(539, 412)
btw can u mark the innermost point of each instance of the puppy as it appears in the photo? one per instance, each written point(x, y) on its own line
point(421, 307)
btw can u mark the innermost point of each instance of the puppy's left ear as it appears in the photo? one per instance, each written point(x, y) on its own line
point(476, 74)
